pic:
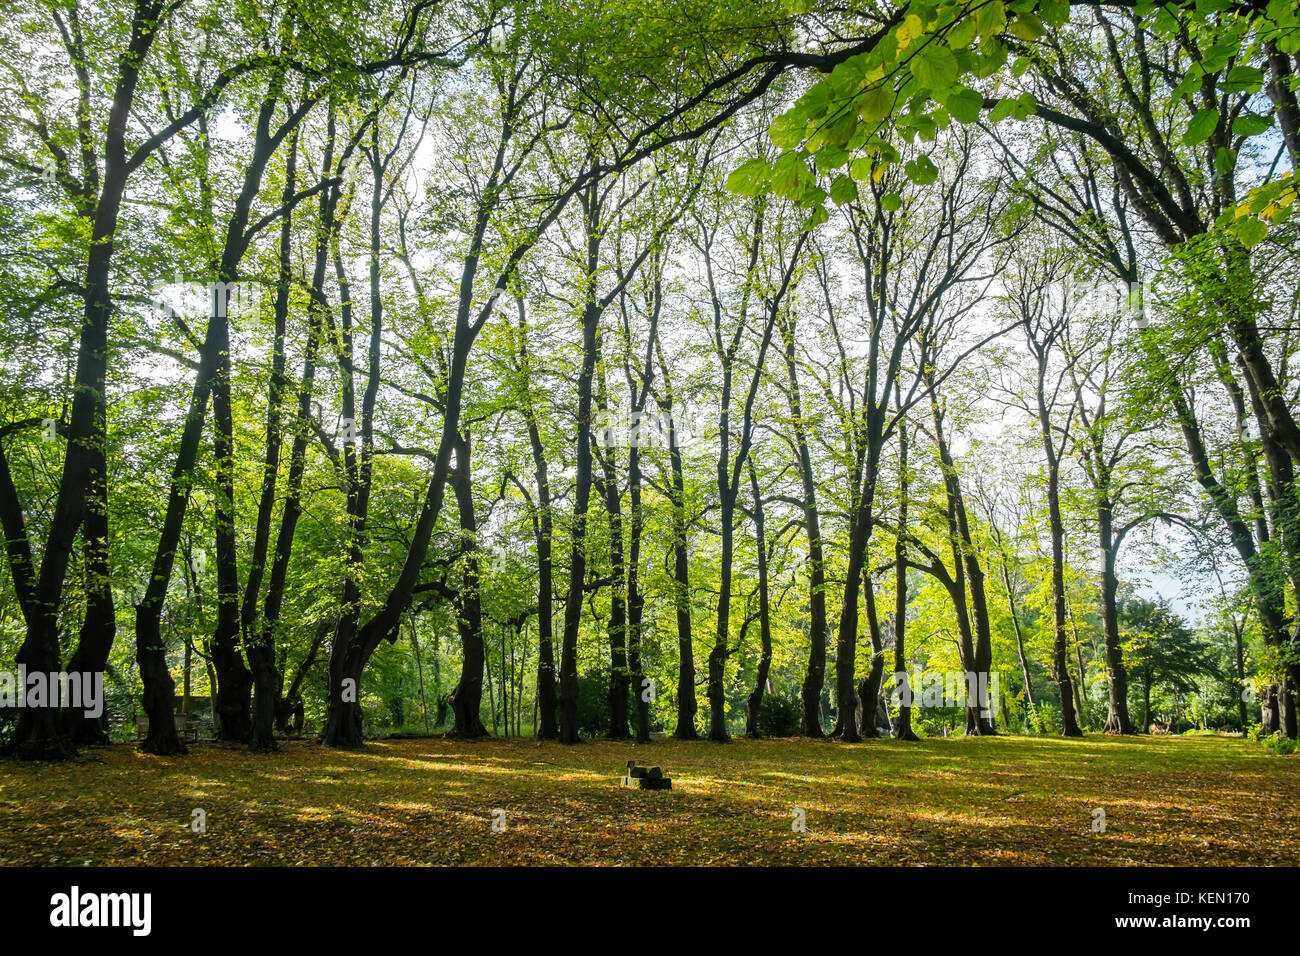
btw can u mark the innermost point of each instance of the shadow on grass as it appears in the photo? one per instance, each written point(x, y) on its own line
point(1003, 800)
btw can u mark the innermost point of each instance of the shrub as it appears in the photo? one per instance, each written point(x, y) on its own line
point(594, 715)
point(1049, 719)
point(779, 716)
point(1282, 746)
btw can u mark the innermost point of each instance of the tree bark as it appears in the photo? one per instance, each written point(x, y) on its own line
point(41, 734)
point(755, 700)
point(635, 599)
point(620, 677)
point(1060, 659)
point(1117, 718)
point(869, 687)
point(686, 705)
point(815, 675)
point(547, 727)
point(467, 698)
point(267, 682)
point(582, 486)
point(965, 553)
point(904, 729)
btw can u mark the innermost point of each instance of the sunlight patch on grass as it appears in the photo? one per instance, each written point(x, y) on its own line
point(998, 801)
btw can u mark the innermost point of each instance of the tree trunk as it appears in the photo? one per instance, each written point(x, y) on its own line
point(582, 481)
point(41, 734)
point(1069, 726)
point(467, 698)
point(815, 676)
point(1241, 672)
point(258, 637)
point(619, 675)
point(419, 670)
point(1020, 638)
point(904, 729)
point(1269, 598)
point(980, 636)
point(635, 599)
point(547, 727)
point(578, 551)
point(1060, 660)
point(99, 627)
point(869, 688)
point(1117, 719)
point(718, 655)
point(755, 701)
point(686, 705)
point(234, 698)
point(1146, 704)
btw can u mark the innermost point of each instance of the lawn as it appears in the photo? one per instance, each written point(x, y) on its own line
point(1016, 800)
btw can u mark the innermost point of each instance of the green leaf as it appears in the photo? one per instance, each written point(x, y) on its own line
point(1201, 126)
point(1187, 85)
point(838, 132)
point(1217, 56)
point(787, 129)
point(890, 202)
point(921, 170)
point(1251, 125)
point(831, 157)
point(750, 178)
point(908, 30)
point(1165, 23)
point(1004, 109)
point(789, 173)
point(1250, 231)
point(934, 67)
point(1055, 13)
point(1224, 160)
point(965, 105)
point(876, 103)
point(1243, 79)
point(993, 56)
point(992, 18)
point(843, 190)
point(861, 168)
point(961, 34)
point(1028, 27)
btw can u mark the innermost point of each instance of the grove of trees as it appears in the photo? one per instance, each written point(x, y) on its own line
point(683, 367)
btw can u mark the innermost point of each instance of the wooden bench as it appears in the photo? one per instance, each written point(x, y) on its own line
point(187, 728)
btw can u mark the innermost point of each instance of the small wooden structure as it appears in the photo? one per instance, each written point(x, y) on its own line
point(187, 728)
point(644, 778)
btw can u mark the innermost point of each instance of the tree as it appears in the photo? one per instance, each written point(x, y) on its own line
point(1165, 652)
point(1035, 299)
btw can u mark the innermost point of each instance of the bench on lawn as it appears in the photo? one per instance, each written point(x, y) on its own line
point(186, 727)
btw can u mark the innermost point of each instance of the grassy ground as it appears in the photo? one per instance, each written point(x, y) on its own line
point(956, 801)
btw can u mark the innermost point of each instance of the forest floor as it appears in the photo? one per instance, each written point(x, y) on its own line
point(1005, 800)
